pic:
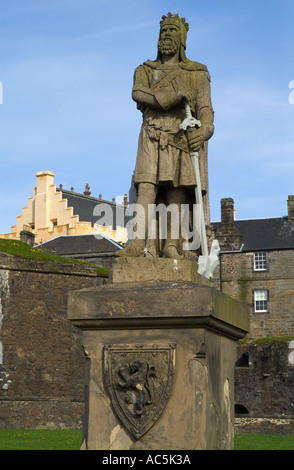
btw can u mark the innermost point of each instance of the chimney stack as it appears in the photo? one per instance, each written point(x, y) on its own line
point(291, 208)
point(227, 211)
point(27, 236)
point(227, 235)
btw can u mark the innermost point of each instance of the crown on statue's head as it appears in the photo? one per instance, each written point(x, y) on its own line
point(175, 20)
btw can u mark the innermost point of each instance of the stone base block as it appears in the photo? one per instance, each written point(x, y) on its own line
point(161, 365)
point(155, 270)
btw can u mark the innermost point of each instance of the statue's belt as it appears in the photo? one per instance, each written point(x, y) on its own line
point(164, 138)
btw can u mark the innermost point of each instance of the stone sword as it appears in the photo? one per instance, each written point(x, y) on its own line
point(206, 263)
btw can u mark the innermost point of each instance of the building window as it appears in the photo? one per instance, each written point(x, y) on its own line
point(260, 261)
point(261, 301)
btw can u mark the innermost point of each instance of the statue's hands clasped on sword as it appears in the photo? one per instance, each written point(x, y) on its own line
point(206, 263)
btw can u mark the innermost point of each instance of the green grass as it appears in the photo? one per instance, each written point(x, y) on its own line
point(71, 439)
point(274, 339)
point(263, 442)
point(267, 339)
point(40, 439)
point(22, 250)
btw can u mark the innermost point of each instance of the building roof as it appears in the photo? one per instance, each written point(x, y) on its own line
point(80, 245)
point(265, 234)
point(84, 207)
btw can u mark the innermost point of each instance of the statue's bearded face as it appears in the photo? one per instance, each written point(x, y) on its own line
point(169, 40)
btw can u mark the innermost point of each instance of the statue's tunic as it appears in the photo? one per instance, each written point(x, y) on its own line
point(163, 152)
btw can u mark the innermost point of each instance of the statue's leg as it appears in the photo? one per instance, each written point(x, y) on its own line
point(146, 195)
point(172, 246)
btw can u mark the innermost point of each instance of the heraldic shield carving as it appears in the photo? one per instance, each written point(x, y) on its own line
point(139, 380)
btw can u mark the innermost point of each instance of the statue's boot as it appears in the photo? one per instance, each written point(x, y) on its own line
point(190, 255)
point(134, 249)
point(170, 251)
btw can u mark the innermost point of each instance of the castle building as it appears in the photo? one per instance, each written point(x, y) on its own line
point(52, 212)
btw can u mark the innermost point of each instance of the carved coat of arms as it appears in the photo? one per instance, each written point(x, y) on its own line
point(139, 380)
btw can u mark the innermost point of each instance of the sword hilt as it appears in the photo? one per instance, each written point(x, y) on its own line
point(189, 121)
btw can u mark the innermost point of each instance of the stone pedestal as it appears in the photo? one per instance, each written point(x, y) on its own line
point(161, 358)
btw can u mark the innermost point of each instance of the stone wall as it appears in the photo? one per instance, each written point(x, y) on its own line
point(278, 426)
point(41, 355)
point(264, 393)
point(42, 360)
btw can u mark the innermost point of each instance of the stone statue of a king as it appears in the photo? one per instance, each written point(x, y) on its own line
point(164, 172)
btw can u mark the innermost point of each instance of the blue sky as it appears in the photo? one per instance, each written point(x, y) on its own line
point(66, 70)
